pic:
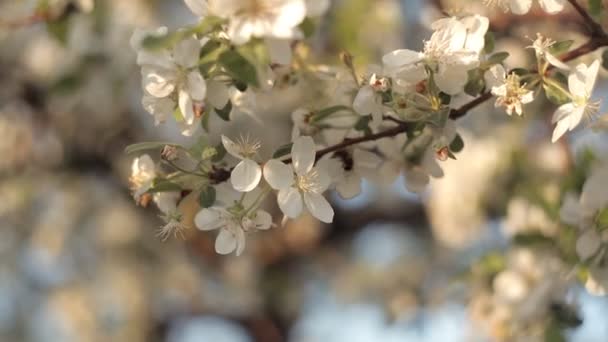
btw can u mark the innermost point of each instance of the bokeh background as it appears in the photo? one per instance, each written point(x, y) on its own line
point(79, 261)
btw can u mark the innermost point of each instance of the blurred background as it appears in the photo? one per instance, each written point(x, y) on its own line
point(79, 261)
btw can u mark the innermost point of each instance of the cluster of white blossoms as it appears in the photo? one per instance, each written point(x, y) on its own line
point(590, 214)
point(396, 119)
point(521, 7)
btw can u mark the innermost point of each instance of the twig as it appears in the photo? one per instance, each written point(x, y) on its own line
point(594, 27)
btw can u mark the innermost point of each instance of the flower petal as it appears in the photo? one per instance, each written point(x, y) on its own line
point(231, 147)
point(186, 107)
point(217, 94)
point(365, 101)
point(349, 186)
point(279, 50)
point(186, 52)
point(290, 202)
point(552, 6)
point(246, 175)
point(303, 154)
point(158, 82)
point(226, 242)
point(198, 7)
point(277, 174)
point(196, 86)
point(520, 7)
point(319, 207)
point(209, 219)
point(402, 57)
point(262, 220)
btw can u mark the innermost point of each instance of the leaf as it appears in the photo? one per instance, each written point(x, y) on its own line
point(489, 42)
point(324, 113)
point(59, 29)
point(519, 71)
point(224, 113)
point(163, 185)
point(68, 83)
point(457, 144)
point(207, 197)
point(209, 47)
point(145, 146)
point(498, 58)
point(282, 151)
point(208, 152)
point(239, 67)
point(476, 83)
point(363, 123)
point(308, 27)
point(595, 7)
point(560, 47)
point(221, 153)
point(605, 59)
point(556, 94)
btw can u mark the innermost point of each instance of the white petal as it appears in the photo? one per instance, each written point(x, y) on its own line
point(186, 106)
point(552, 6)
point(240, 31)
point(198, 7)
point(161, 108)
point(246, 176)
point(452, 79)
point(303, 154)
point(279, 50)
point(365, 101)
point(495, 76)
point(562, 112)
point(556, 62)
point(401, 57)
point(217, 94)
point(158, 82)
point(231, 147)
point(560, 129)
point(262, 220)
point(226, 242)
point(588, 244)
point(319, 207)
point(520, 7)
point(290, 15)
point(591, 76)
point(366, 160)
point(209, 219)
point(416, 180)
point(196, 86)
point(186, 52)
point(278, 175)
point(477, 27)
point(290, 202)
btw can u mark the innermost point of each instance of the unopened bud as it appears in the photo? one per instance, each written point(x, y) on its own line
point(169, 153)
point(443, 153)
point(199, 109)
point(347, 59)
point(144, 200)
point(421, 87)
point(380, 84)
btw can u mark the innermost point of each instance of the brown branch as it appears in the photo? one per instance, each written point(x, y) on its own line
point(594, 27)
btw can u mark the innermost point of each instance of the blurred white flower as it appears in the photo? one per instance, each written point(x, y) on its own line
point(521, 7)
point(143, 172)
point(231, 237)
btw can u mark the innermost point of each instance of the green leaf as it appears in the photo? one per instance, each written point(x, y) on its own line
point(68, 84)
point(163, 185)
point(59, 29)
point(560, 47)
point(602, 219)
point(519, 71)
point(457, 144)
point(239, 67)
point(208, 153)
point(308, 27)
point(595, 7)
point(224, 113)
point(324, 113)
point(555, 93)
point(146, 146)
point(282, 151)
point(207, 197)
point(363, 123)
point(489, 42)
point(177, 115)
point(209, 47)
point(221, 153)
point(475, 83)
point(605, 59)
point(498, 58)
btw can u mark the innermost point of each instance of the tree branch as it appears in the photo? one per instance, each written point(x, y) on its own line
point(594, 27)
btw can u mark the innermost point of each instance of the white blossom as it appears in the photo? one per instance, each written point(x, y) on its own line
point(541, 47)
point(143, 173)
point(348, 169)
point(247, 174)
point(508, 89)
point(580, 83)
point(451, 52)
point(172, 79)
point(521, 7)
point(300, 184)
point(232, 228)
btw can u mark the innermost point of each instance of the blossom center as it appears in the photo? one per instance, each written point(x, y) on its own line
point(308, 182)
